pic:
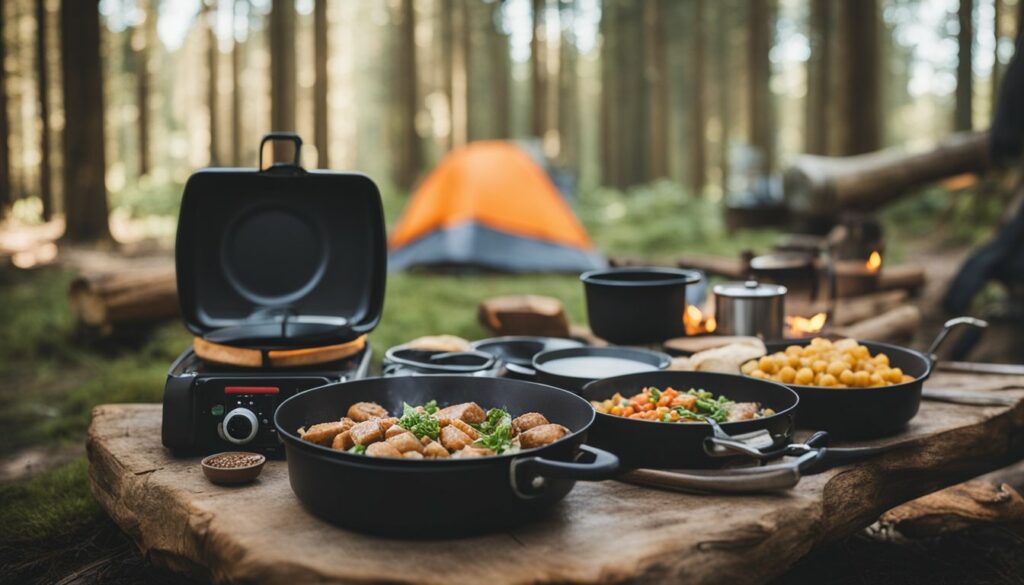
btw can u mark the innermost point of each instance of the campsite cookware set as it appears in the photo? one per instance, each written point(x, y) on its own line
point(281, 274)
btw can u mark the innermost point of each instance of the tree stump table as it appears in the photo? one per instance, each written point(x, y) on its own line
point(602, 532)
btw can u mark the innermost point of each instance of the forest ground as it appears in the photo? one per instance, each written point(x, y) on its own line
point(53, 374)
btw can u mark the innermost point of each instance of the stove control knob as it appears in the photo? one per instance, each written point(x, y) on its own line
point(240, 426)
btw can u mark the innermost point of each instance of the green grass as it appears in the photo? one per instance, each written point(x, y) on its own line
point(54, 503)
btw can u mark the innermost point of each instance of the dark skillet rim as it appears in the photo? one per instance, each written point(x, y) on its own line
point(664, 360)
point(294, 440)
point(673, 276)
point(739, 425)
point(480, 344)
point(869, 390)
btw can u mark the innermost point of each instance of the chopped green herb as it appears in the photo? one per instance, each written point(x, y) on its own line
point(495, 418)
point(655, 395)
point(421, 424)
point(498, 441)
point(358, 449)
point(431, 407)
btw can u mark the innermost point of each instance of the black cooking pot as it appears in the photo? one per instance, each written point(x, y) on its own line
point(654, 444)
point(862, 413)
point(515, 352)
point(633, 306)
point(402, 360)
point(544, 364)
point(438, 497)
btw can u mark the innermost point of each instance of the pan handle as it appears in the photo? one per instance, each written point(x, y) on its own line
point(767, 478)
point(949, 326)
point(530, 474)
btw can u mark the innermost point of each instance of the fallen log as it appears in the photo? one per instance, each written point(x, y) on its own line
point(109, 301)
point(824, 186)
point(899, 323)
point(524, 315)
point(956, 508)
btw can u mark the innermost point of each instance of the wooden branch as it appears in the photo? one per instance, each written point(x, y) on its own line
point(108, 301)
point(955, 508)
point(906, 276)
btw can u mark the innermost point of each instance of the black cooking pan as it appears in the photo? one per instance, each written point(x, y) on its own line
point(438, 497)
point(861, 413)
point(654, 444)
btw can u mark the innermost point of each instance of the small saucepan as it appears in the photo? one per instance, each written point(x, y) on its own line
point(573, 368)
point(637, 305)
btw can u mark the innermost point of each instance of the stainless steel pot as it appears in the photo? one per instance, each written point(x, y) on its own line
point(750, 308)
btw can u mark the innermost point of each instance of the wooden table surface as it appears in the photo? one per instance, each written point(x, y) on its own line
point(602, 532)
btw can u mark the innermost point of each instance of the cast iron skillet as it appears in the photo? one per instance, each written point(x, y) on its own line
point(652, 444)
point(862, 413)
point(515, 352)
point(438, 498)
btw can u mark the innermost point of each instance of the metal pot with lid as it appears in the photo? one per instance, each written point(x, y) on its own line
point(750, 308)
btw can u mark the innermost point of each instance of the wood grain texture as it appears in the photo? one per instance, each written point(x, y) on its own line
point(602, 532)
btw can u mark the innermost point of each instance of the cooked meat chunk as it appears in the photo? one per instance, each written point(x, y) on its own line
point(324, 433)
point(412, 455)
point(742, 411)
point(434, 449)
point(394, 430)
point(364, 411)
point(528, 421)
point(387, 423)
point(464, 427)
point(467, 412)
point(426, 440)
point(406, 442)
point(542, 435)
point(343, 441)
point(383, 449)
point(367, 432)
point(454, 439)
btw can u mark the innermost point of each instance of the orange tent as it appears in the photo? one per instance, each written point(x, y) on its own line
point(489, 204)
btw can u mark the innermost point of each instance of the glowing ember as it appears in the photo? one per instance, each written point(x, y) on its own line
point(801, 326)
point(696, 323)
point(874, 262)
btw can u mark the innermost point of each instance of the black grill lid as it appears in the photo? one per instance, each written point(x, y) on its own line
point(280, 255)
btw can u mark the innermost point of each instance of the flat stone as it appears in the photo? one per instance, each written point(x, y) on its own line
point(602, 532)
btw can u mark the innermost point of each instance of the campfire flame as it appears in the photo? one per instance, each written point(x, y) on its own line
point(696, 323)
point(874, 262)
point(802, 326)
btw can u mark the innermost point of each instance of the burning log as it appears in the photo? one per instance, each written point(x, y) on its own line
point(106, 302)
point(818, 185)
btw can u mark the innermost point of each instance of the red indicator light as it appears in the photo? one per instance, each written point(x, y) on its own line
point(252, 390)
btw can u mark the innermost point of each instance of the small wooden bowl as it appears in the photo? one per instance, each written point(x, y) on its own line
point(233, 475)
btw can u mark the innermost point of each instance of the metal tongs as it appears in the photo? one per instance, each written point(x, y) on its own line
point(810, 457)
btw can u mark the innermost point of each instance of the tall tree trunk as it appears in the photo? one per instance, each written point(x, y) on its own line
point(466, 67)
point(143, 47)
point(448, 67)
point(500, 75)
point(997, 69)
point(858, 94)
point(45, 182)
point(282, 70)
point(212, 62)
point(819, 66)
point(633, 144)
point(724, 94)
point(760, 132)
point(320, 51)
point(84, 164)
point(699, 153)
point(236, 90)
point(656, 74)
point(409, 141)
point(6, 197)
point(608, 99)
point(964, 71)
point(538, 72)
point(459, 75)
point(568, 112)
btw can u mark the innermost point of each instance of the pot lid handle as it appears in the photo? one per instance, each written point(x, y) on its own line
point(273, 137)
